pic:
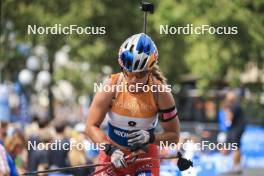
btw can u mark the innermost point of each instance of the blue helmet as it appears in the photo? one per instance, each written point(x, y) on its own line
point(138, 53)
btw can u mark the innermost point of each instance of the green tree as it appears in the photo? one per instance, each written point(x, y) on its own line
point(210, 57)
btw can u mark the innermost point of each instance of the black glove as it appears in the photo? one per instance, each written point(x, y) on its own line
point(138, 146)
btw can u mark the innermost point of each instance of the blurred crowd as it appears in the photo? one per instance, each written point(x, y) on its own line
point(24, 154)
point(17, 142)
point(26, 129)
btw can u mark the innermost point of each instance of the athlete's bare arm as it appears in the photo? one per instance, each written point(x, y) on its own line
point(98, 109)
point(171, 128)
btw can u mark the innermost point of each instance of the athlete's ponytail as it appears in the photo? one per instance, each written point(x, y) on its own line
point(158, 74)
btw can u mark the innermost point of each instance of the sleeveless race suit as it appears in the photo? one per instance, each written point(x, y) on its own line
point(132, 112)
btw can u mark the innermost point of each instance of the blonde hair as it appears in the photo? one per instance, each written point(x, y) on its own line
point(156, 72)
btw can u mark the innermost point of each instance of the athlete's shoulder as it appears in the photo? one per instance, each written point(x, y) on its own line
point(166, 100)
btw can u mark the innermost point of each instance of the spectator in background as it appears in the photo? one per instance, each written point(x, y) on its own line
point(32, 129)
point(3, 131)
point(58, 157)
point(5, 155)
point(198, 112)
point(4, 167)
point(234, 123)
point(38, 157)
point(77, 154)
point(15, 145)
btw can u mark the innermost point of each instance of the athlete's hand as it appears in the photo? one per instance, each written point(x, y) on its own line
point(140, 137)
point(117, 158)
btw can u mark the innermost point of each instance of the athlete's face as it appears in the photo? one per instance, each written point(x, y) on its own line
point(134, 78)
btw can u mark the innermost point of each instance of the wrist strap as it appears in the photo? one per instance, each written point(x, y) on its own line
point(151, 137)
point(109, 149)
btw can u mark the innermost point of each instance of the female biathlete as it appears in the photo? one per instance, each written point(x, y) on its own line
point(133, 112)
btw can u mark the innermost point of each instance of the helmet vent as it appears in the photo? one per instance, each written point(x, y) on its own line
point(140, 49)
point(148, 49)
point(143, 63)
point(131, 48)
point(126, 45)
point(136, 65)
